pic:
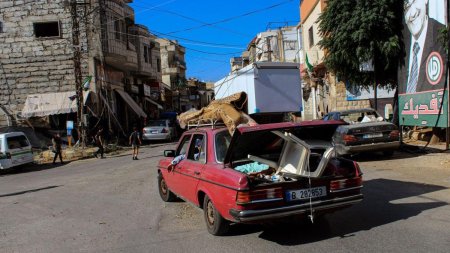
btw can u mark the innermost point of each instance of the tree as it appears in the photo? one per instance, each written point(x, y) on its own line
point(357, 31)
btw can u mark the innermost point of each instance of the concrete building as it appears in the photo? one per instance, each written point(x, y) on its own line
point(37, 57)
point(277, 45)
point(36, 54)
point(173, 68)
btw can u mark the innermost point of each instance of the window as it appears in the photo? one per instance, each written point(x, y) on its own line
point(1, 27)
point(222, 141)
point(17, 142)
point(183, 146)
point(145, 54)
point(150, 55)
point(311, 36)
point(158, 64)
point(46, 29)
point(197, 150)
point(117, 29)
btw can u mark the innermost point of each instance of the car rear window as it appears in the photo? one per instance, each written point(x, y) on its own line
point(158, 123)
point(222, 141)
point(17, 142)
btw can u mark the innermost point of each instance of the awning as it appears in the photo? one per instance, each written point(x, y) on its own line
point(153, 102)
point(138, 110)
point(38, 105)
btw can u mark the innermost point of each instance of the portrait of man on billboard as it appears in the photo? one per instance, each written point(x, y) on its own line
point(424, 66)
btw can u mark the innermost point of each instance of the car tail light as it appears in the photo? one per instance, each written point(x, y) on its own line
point(164, 131)
point(394, 134)
point(259, 196)
point(337, 185)
point(143, 131)
point(349, 138)
point(8, 155)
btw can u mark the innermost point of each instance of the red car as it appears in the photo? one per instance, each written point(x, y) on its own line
point(264, 172)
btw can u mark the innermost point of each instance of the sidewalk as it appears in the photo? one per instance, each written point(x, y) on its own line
point(74, 154)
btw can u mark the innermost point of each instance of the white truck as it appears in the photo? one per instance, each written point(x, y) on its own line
point(273, 89)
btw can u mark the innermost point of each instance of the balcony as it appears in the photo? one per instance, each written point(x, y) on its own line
point(119, 55)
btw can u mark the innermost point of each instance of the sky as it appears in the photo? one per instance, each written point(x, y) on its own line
point(213, 31)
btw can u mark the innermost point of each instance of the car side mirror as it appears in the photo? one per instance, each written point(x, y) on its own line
point(169, 153)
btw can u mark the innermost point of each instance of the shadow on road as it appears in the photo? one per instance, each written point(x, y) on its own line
point(376, 210)
point(29, 191)
point(405, 151)
point(31, 168)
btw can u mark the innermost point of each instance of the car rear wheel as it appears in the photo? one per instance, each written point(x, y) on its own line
point(215, 223)
point(164, 192)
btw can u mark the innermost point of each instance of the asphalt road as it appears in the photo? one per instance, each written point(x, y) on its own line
point(112, 205)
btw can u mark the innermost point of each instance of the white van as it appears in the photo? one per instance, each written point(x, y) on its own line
point(15, 149)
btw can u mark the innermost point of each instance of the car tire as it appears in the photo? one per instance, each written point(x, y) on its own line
point(388, 153)
point(164, 192)
point(215, 223)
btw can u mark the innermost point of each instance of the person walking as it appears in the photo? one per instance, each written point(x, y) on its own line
point(99, 141)
point(135, 141)
point(57, 142)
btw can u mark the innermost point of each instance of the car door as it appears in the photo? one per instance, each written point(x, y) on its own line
point(172, 178)
point(188, 171)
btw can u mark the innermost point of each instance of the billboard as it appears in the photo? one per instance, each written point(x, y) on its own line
point(423, 95)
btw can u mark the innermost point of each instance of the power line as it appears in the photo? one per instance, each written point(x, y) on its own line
point(208, 43)
point(204, 52)
point(196, 20)
point(231, 18)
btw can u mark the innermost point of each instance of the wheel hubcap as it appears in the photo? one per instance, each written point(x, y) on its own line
point(163, 187)
point(210, 213)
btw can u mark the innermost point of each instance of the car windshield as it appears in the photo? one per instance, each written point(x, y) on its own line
point(361, 117)
point(157, 123)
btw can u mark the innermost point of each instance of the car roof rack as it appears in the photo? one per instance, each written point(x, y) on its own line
point(213, 123)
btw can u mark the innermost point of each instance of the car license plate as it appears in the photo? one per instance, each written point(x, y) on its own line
point(155, 132)
point(306, 193)
point(375, 135)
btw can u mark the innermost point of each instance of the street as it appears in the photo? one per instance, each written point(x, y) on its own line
point(113, 205)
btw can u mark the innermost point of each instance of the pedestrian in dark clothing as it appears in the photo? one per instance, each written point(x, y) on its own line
point(57, 142)
point(135, 141)
point(99, 141)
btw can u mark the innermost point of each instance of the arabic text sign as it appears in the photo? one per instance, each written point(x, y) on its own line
point(422, 109)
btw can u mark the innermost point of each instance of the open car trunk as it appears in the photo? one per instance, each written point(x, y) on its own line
point(282, 151)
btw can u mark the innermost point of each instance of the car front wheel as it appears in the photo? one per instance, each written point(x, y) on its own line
point(215, 223)
point(164, 192)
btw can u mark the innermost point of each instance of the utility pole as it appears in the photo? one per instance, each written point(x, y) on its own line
point(77, 68)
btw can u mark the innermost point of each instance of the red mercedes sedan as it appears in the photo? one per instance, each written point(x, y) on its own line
point(262, 173)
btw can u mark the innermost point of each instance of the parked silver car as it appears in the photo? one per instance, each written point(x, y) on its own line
point(162, 129)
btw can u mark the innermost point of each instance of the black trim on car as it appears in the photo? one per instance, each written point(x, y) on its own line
point(280, 212)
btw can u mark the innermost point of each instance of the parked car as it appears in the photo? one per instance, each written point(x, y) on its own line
point(15, 150)
point(261, 173)
point(366, 131)
point(163, 129)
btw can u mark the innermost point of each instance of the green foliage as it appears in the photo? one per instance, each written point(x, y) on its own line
point(443, 37)
point(356, 31)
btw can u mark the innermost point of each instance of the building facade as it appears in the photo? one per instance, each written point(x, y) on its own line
point(120, 63)
point(173, 68)
point(36, 53)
